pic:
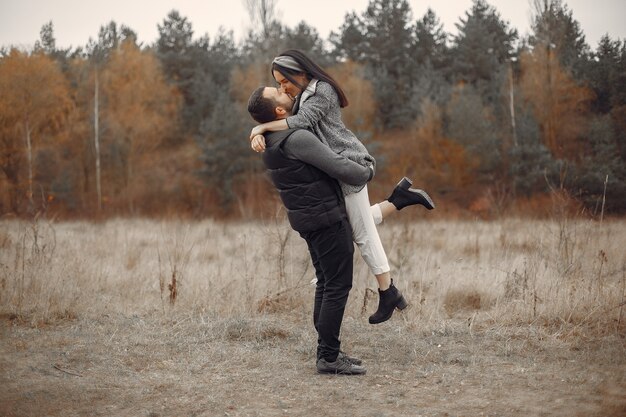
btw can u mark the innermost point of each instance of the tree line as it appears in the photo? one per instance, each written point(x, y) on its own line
point(484, 119)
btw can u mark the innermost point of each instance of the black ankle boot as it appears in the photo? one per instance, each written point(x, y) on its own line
point(403, 196)
point(390, 299)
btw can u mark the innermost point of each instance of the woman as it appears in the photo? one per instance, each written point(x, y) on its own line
point(319, 100)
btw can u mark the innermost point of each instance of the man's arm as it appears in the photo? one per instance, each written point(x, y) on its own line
point(306, 147)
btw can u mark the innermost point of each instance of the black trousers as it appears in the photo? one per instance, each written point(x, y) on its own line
point(331, 252)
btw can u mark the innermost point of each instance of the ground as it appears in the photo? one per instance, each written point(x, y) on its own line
point(203, 366)
point(132, 317)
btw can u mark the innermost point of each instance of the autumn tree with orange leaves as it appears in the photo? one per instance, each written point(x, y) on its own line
point(431, 159)
point(140, 112)
point(558, 102)
point(33, 106)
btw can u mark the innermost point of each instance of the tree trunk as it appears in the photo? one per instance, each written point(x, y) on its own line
point(129, 189)
point(29, 153)
point(13, 180)
point(262, 12)
point(512, 104)
point(96, 115)
point(550, 133)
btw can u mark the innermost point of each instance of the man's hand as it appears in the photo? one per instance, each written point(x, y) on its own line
point(258, 143)
point(256, 131)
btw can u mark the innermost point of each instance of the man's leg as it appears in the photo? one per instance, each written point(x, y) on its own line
point(333, 250)
point(319, 291)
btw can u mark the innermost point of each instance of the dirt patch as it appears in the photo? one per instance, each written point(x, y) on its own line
point(463, 300)
point(130, 365)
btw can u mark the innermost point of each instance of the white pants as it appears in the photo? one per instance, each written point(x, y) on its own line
point(363, 220)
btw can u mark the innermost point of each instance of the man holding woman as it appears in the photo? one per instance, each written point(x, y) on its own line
point(319, 99)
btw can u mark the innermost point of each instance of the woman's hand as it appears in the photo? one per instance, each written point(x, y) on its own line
point(258, 143)
point(257, 130)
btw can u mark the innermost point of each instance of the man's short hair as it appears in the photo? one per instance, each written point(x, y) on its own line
point(262, 109)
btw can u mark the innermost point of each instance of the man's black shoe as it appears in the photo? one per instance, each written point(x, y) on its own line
point(353, 361)
point(403, 196)
point(340, 366)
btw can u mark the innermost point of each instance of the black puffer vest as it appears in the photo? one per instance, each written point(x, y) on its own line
point(312, 198)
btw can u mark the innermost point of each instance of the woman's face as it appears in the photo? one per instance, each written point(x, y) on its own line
point(287, 86)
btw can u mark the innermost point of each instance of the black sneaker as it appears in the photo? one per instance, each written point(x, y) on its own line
point(340, 366)
point(353, 361)
point(403, 196)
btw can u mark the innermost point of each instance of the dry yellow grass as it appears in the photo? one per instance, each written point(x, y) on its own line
point(511, 317)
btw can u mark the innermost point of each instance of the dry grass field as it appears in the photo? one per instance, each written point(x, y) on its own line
point(179, 318)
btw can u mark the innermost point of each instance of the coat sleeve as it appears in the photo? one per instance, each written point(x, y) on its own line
point(306, 147)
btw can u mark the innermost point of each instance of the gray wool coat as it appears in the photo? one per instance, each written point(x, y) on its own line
point(319, 112)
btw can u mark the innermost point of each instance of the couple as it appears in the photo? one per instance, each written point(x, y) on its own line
point(320, 170)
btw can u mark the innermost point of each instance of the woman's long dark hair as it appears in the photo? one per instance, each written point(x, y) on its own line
point(311, 70)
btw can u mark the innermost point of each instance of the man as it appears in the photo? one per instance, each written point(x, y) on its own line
point(305, 173)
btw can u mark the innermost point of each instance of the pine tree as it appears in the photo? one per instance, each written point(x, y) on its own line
point(430, 50)
point(484, 43)
point(530, 160)
point(472, 125)
point(555, 29)
point(603, 73)
point(307, 39)
point(430, 46)
point(349, 42)
point(174, 47)
point(602, 167)
point(389, 41)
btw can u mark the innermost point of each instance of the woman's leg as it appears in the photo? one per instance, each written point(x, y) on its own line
point(382, 210)
point(402, 196)
point(365, 235)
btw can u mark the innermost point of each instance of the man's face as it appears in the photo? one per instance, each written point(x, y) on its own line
point(281, 98)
